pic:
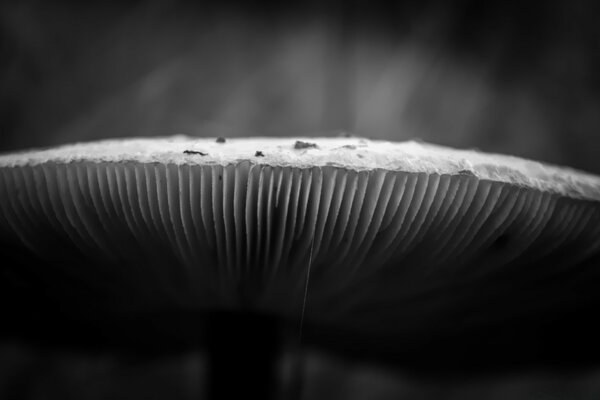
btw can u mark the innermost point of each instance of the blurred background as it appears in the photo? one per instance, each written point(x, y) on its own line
point(513, 76)
point(510, 76)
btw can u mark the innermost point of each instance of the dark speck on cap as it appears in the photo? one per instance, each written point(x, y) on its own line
point(195, 152)
point(259, 154)
point(220, 139)
point(304, 145)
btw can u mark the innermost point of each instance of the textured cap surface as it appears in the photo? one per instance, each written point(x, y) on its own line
point(350, 153)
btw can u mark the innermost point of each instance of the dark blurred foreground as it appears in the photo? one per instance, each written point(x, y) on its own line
point(30, 374)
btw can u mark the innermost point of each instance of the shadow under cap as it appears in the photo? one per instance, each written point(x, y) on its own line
point(410, 244)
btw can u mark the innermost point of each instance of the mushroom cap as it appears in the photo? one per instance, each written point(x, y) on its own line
point(401, 238)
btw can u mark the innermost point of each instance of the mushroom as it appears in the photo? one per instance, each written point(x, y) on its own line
point(374, 242)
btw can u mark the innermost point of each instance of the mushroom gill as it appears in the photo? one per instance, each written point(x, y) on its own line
point(400, 237)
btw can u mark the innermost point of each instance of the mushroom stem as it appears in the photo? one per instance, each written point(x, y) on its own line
point(243, 351)
point(294, 389)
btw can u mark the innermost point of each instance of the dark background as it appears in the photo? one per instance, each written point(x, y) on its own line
point(511, 76)
point(517, 77)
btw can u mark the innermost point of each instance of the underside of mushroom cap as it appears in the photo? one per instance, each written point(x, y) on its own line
point(397, 235)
